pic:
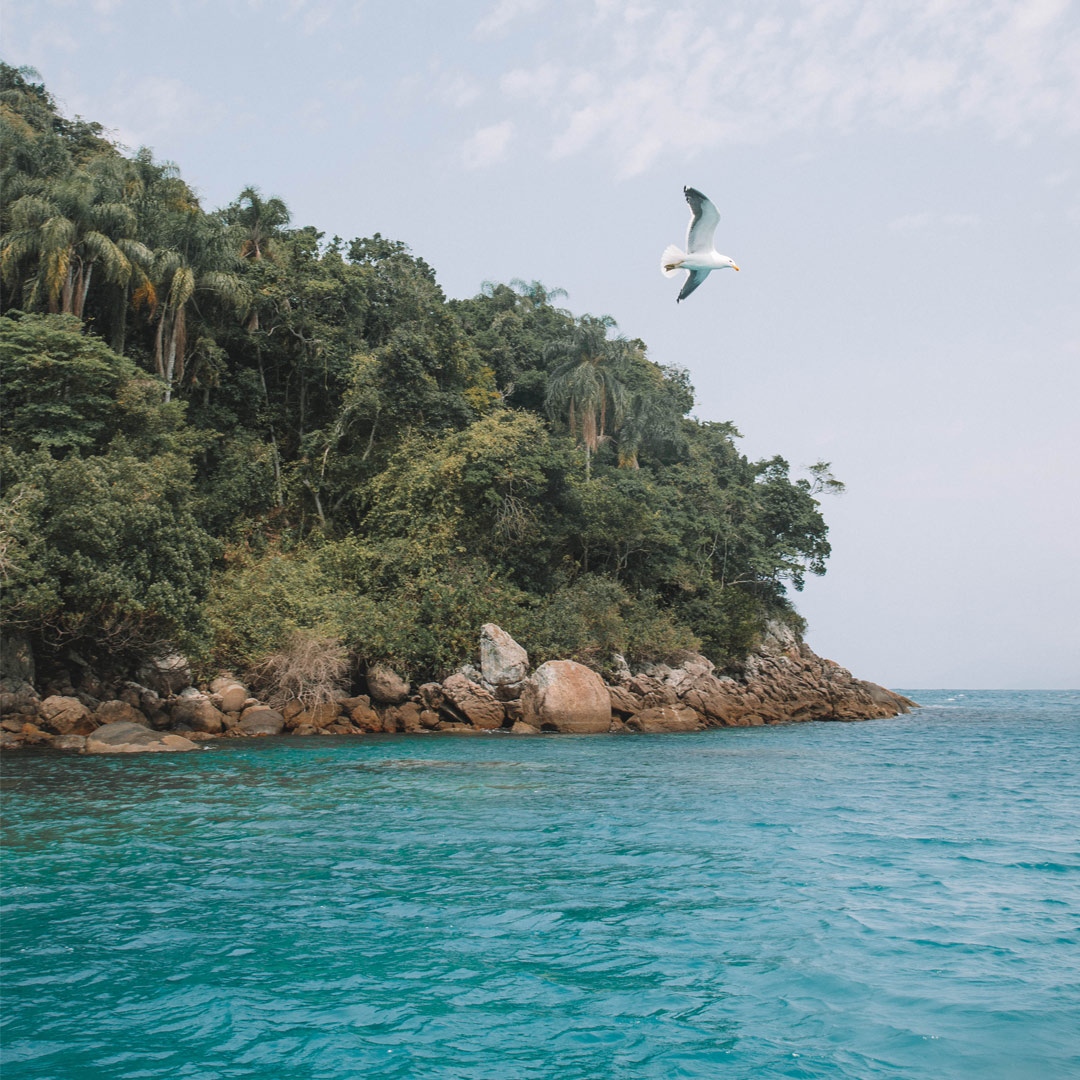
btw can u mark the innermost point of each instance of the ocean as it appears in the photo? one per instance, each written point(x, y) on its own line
point(896, 899)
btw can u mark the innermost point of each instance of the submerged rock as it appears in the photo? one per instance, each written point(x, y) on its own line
point(123, 737)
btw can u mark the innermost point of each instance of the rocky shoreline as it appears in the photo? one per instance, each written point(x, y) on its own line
point(782, 681)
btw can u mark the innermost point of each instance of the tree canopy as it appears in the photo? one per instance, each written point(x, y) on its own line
point(221, 428)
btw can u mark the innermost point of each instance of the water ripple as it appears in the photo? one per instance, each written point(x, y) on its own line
point(893, 899)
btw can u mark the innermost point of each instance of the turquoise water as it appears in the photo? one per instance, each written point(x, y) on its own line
point(892, 899)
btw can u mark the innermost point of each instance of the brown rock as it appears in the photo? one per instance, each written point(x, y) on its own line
point(365, 717)
point(317, 716)
point(563, 695)
point(666, 718)
point(131, 695)
point(519, 727)
point(386, 685)
point(431, 696)
point(205, 718)
point(61, 715)
point(124, 737)
point(624, 700)
point(119, 712)
point(292, 708)
point(233, 695)
point(470, 701)
point(260, 720)
point(404, 717)
point(429, 719)
point(347, 704)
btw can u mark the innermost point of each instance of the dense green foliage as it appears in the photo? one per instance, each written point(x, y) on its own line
point(221, 430)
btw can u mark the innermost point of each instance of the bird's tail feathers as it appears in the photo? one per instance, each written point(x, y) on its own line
point(669, 261)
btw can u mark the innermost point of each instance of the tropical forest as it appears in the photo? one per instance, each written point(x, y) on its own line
point(229, 434)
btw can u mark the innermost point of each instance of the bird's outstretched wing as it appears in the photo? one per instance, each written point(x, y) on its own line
point(703, 221)
point(693, 280)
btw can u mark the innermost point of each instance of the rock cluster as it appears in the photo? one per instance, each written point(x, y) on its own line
point(783, 681)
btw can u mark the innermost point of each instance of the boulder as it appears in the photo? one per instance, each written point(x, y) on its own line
point(292, 708)
point(563, 695)
point(32, 735)
point(665, 718)
point(502, 660)
point(473, 702)
point(340, 727)
point(18, 697)
point(233, 694)
point(123, 737)
point(624, 700)
point(207, 719)
point(316, 716)
point(347, 702)
point(16, 657)
point(519, 727)
point(620, 669)
point(364, 716)
point(386, 685)
point(117, 711)
point(431, 696)
point(404, 717)
point(166, 675)
point(63, 715)
point(260, 720)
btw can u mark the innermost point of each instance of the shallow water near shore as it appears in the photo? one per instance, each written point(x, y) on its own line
point(896, 899)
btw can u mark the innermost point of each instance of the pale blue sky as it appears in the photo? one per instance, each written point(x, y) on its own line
point(899, 182)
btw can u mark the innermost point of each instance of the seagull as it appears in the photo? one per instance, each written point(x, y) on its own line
point(700, 257)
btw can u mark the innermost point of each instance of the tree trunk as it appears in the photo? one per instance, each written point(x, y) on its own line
point(119, 334)
point(67, 293)
point(159, 355)
point(170, 362)
point(81, 298)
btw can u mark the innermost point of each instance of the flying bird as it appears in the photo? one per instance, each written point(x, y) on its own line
point(700, 257)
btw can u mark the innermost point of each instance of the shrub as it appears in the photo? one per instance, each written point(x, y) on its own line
point(309, 669)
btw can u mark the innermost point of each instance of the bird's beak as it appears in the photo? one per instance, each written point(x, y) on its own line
point(735, 266)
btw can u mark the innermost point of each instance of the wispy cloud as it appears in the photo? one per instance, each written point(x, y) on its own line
point(684, 77)
point(487, 145)
point(503, 15)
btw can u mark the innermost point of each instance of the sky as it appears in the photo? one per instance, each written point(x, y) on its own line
point(898, 181)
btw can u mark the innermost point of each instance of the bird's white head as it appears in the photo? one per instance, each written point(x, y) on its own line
point(729, 262)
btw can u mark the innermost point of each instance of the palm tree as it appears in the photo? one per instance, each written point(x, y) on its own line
point(652, 415)
point(198, 261)
point(257, 221)
point(586, 382)
point(72, 227)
